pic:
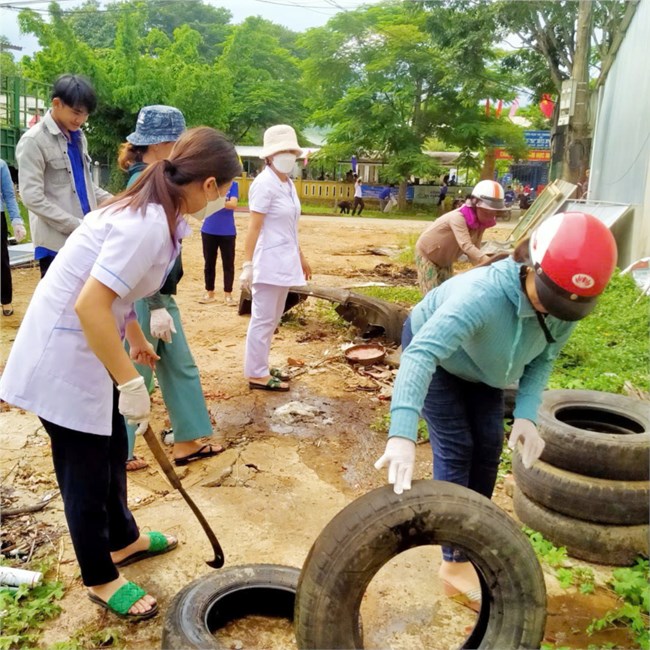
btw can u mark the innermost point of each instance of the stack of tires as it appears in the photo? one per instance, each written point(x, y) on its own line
point(589, 491)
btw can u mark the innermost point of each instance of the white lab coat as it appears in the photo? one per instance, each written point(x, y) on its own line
point(276, 259)
point(51, 370)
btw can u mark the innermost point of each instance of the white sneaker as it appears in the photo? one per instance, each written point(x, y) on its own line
point(229, 300)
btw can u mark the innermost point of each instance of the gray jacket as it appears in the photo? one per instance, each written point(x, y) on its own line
point(47, 185)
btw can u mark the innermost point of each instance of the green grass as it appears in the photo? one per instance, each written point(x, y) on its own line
point(23, 612)
point(406, 296)
point(610, 346)
point(632, 585)
point(417, 214)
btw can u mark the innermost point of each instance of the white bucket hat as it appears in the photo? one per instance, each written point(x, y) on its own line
point(280, 137)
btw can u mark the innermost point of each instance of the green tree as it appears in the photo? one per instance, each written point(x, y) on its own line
point(385, 78)
point(97, 26)
point(8, 65)
point(565, 40)
point(262, 79)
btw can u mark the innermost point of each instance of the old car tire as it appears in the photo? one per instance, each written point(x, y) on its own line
point(210, 602)
point(380, 525)
point(598, 500)
point(596, 434)
point(599, 543)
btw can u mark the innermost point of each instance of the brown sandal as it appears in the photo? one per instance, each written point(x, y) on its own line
point(136, 463)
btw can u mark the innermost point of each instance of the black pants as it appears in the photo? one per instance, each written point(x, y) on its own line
point(6, 288)
point(44, 264)
point(358, 201)
point(211, 246)
point(91, 473)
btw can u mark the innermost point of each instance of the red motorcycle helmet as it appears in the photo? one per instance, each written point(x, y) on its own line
point(573, 255)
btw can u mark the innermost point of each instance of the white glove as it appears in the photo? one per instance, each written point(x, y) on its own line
point(19, 230)
point(525, 431)
point(134, 403)
point(162, 325)
point(400, 456)
point(246, 277)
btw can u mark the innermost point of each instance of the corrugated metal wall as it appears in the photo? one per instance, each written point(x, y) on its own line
point(620, 163)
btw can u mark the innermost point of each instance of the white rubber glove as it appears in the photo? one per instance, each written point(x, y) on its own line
point(162, 325)
point(400, 456)
point(19, 230)
point(246, 277)
point(525, 431)
point(134, 403)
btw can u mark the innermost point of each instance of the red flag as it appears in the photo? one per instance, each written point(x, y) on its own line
point(514, 108)
point(497, 113)
point(547, 105)
point(487, 107)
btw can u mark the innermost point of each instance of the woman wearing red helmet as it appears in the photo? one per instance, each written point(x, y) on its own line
point(457, 232)
point(474, 335)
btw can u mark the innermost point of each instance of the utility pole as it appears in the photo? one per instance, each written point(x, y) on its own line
point(577, 144)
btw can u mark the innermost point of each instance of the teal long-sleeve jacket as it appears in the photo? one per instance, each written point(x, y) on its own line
point(481, 327)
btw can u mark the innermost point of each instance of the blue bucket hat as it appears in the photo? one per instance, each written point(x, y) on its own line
point(157, 124)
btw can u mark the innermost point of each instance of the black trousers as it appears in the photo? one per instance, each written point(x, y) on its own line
point(211, 246)
point(44, 264)
point(6, 288)
point(91, 473)
point(358, 201)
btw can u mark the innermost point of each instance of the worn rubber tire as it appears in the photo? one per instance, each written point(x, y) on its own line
point(565, 422)
point(380, 525)
point(599, 543)
point(624, 503)
point(210, 602)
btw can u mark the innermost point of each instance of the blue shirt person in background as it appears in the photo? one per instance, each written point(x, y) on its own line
point(219, 234)
point(54, 168)
point(10, 206)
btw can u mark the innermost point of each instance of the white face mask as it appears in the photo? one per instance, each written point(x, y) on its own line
point(284, 162)
point(210, 208)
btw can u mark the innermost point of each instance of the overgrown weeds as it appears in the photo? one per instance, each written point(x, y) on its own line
point(610, 347)
point(633, 586)
point(24, 611)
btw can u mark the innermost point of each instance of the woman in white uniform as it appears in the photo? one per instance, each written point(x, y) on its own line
point(68, 355)
point(273, 261)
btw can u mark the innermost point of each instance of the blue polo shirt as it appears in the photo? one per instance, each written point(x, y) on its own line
point(222, 222)
point(77, 162)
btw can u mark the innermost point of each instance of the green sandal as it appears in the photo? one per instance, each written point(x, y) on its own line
point(272, 384)
point(279, 374)
point(158, 545)
point(123, 599)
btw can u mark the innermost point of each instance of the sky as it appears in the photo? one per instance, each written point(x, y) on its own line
point(297, 15)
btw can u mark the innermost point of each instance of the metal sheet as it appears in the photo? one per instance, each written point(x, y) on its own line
point(608, 213)
point(21, 254)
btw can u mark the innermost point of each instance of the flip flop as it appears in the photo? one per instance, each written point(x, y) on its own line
point(272, 384)
point(136, 459)
point(470, 599)
point(199, 455)
point(123, 599)
point(158, 545)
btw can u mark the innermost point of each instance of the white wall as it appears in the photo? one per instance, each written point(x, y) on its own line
point(620, 159)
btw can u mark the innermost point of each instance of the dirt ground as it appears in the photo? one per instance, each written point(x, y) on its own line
point(280, 481)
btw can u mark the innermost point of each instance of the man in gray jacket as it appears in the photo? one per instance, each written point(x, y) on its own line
point(54, 168)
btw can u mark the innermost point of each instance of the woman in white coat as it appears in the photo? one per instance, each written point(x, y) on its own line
point(68, 355)
point(273, 261)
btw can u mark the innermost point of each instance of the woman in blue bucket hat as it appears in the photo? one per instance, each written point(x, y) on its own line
point(157, 129)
